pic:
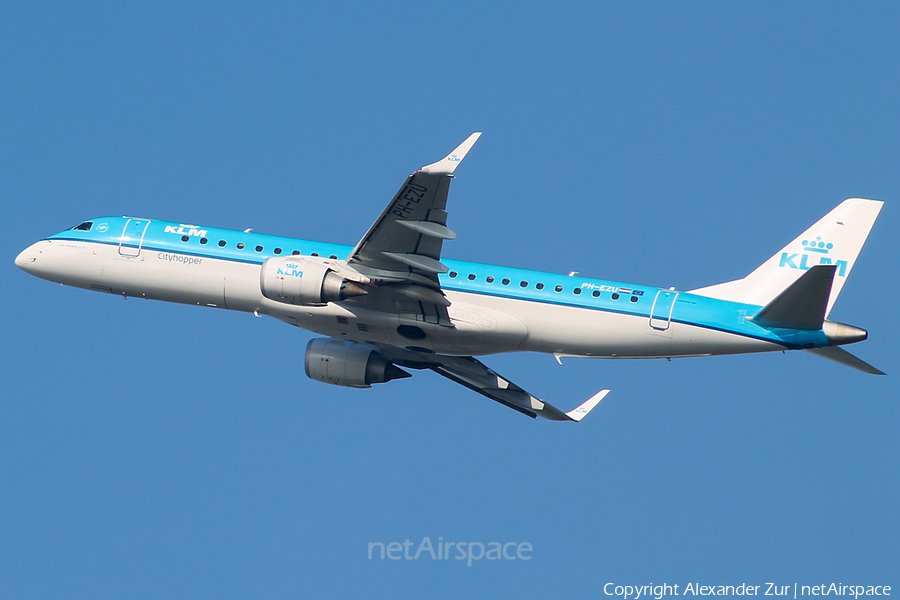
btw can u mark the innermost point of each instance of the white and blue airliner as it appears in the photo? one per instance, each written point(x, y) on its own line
point(391, 301)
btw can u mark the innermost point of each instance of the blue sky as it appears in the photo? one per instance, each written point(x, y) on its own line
point(151, 450)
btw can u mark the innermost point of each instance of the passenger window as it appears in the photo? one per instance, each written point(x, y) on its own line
point(277, 250)
point(557, 288)
point(471, 276)
point(523, 284)
point(490, 279)
point(596, 294)
point(313, 254)
point(453, 274)
point(297, 253)
point(540, 286)
point(259, 248)
point(634, 298)
point(185, 238)
point(86, 226)
point(615, 296)
point(505, 282)
point(240, 246)
point(203, 240)
point(576, 291)
point(222, 243)
point(333, 256)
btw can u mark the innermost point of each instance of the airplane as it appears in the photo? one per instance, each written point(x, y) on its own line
point(392, 302)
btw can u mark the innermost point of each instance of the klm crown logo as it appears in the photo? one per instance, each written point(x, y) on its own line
point(817, 245)
point(805, 261)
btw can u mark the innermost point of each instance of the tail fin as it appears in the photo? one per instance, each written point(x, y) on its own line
point(836, 239)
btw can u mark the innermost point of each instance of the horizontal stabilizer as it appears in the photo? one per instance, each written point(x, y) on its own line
point(802, 305)
point(840, 355)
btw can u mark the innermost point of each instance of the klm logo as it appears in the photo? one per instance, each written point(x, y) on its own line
point(806, 259)
point(290, 270)
point(185, 230)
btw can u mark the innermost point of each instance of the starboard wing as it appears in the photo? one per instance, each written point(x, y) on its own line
point(401, 251)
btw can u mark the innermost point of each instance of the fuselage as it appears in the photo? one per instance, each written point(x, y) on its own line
point(494, 309)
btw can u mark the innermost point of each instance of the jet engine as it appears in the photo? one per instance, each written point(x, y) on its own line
point(349, 364)
point(299, 280)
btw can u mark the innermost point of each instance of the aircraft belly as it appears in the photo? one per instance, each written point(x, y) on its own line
point(335, 320)
point(481, 329)
point(477, 330)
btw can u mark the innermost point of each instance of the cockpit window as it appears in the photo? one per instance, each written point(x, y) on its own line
point(86, 226)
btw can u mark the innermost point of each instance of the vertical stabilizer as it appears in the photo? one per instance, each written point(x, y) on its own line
point(836, 239)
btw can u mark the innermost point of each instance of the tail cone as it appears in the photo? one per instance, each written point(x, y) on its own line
point(839, 333)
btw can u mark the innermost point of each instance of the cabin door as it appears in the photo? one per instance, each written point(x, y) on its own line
point(133, 237)
point(661, 311)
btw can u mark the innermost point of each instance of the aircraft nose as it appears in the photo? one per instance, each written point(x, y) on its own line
point(27, 258)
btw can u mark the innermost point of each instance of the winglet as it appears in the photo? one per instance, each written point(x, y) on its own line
point(448, 164)
point(582, 411)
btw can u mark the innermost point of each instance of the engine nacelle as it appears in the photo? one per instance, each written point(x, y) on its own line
point(349, 364)
point(303, 281)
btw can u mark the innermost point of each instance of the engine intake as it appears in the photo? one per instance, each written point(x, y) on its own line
point(348, 364)
point(301, 281)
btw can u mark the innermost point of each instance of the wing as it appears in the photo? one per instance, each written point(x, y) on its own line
point(401, 252)
point(473, 374)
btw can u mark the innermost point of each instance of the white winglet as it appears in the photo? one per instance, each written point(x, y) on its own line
point(448, 164)
point(579, 413)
